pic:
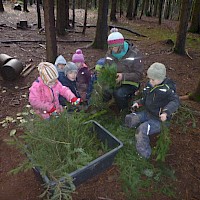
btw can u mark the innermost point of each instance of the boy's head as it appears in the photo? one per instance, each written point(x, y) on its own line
point(78, 57)
point(48, 73)
point(156, 73)
point(100, 63)
point(71, 71)
point(60, 63)
point(115, 41)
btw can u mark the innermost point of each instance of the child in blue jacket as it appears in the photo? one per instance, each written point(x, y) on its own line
point(160, 101)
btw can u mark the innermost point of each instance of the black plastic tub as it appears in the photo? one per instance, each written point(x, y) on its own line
point(4, 58)
point(11, 70)
point(96, 166)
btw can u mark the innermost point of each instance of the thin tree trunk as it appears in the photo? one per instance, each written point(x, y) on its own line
point(195, 22)
point(160, 11)
point(156, 2)
point(113, 11)
point(129, 13)
point(73, 13)
point(85, 18)
point(196, 94)
point(1, 6)
point(25, 6)
point(39, 15)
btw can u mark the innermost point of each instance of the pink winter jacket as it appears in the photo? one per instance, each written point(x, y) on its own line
point(43, 99)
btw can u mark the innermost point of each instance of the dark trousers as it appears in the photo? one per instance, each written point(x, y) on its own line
point(122, 95)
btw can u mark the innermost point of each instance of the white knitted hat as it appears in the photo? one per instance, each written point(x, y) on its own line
point(48, 72)
point(115, 38)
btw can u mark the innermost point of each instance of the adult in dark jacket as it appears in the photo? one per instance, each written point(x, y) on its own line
point(128, 61)
point(160, 102)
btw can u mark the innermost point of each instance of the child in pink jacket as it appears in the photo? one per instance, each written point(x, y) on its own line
point(45, 91)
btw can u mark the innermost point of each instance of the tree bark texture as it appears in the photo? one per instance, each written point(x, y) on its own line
point(1, 6)
point(50, 31)
point(195, 22)
point(129, 12)
point(61, 19)
point(113, 10)
point(183, 24)
point(100, 41)
point(39, 14)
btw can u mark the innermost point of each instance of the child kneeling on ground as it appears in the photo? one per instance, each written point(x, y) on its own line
point(44, 92)
point(160, 102)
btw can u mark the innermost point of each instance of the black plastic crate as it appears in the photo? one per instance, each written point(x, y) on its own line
point(96, 166)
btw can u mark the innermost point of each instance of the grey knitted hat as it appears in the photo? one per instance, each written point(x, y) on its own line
point(70, 66)
point(157, 71)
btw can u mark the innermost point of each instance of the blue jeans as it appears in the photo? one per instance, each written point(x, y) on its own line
point(146, 125)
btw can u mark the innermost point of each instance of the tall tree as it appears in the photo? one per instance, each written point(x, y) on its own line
point(136, 8)
point(120, 8)
point(61, 19)
point(39, 14)
point(50, 31)
point(67, 14)
point(100, 41)
point(73, 12)
point(129, 12)
point(113, 10)
point(156, 2)
point(85, 18)
point(183, 24)
point(195, 22)
point(25, 7)
point(160, 10)
point(1, 6)
point(196, 94)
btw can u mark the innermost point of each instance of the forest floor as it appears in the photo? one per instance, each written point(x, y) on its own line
point(184, 151)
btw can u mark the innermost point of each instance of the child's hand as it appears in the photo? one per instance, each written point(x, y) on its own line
point(119, 77)
point(163, 117)
point(76, 101)
point(134, 107)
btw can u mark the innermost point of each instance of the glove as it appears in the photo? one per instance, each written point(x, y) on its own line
point(75, 101)
point(53, 109)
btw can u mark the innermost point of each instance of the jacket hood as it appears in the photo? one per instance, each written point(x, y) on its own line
point(60, 60)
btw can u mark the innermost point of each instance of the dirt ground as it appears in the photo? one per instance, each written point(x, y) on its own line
point(184, 151)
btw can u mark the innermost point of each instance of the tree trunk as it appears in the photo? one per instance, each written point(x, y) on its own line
point(121, 12)
point(25, 7)
point(85, 18)
point(50, 31)
point(61, 19)
point(160, 11)
point(195, 96)
point(195, 22)
point(129, 13)
point(1, 6)
point(67, 14)
point(73, 13)
point(113, 11)
point(167, 9)
point(100, 41)
point(136, 8)
point(183, 24)
point(156, 2)
point(147, 13)
point(39, 15)
point(142, 11)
